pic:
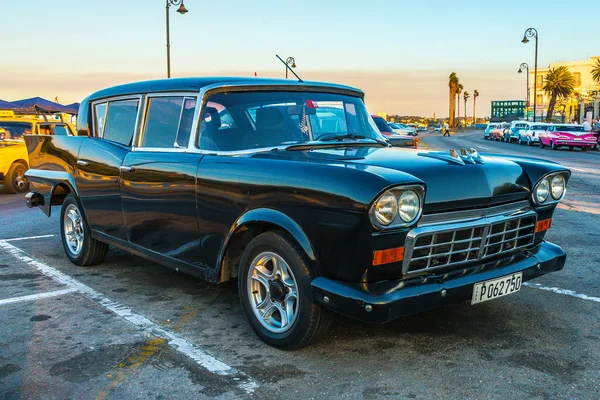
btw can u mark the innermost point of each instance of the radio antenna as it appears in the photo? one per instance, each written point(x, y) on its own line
point(291, 70)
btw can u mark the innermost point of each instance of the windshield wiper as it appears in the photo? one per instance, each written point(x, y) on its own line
point(338, 137)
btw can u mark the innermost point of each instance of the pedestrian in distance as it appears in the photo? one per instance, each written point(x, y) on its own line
point(446, 129)
point(586, 126)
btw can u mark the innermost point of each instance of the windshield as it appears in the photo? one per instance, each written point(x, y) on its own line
point(14, 130)
point(569, 128)
point(246, 120)
point(381, 124)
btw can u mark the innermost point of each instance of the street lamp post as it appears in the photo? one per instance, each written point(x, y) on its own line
point(521, 67)
point(533, 33)
point(181, 10)
point(291, 62)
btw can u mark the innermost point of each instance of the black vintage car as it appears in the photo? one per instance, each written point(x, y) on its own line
point(290, 188)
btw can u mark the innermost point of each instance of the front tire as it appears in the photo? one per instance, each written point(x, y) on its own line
point(80, 247)
point(552, 145)
point(15, 181)
point(274, 283)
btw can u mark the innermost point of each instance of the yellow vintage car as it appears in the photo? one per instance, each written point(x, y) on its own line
point(13, 153)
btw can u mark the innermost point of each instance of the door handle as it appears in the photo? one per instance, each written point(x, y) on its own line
point(82, 163)
point(123, 168)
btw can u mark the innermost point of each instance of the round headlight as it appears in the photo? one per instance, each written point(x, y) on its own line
point(557, 187)
point(409, 206)
point(386, 209)
point(542, 191)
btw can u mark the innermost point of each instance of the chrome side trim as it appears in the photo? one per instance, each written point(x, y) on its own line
point(428, 219)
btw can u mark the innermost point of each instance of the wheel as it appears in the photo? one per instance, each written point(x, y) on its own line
point(80, 247)
point(15, 181)
point(542, 144)
point(274, 282)
point(552, 145)
point(584, 149)
point(528, 143)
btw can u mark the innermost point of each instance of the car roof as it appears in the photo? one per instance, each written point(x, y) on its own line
point(195, 84)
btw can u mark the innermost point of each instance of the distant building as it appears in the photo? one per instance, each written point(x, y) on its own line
point(383, 115)
point(507, 110)
point(585, 86)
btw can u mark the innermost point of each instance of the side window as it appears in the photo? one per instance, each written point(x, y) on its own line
point(100, 115)
point(61, 130)
point(120, 121)
point(169, 122)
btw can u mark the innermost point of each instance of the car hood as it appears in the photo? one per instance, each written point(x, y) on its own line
point(450, 185)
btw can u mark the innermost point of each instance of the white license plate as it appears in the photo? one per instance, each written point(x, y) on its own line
point(495, 288)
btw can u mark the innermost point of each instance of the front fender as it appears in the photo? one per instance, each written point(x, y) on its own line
point(273, 217)
point(51, 179)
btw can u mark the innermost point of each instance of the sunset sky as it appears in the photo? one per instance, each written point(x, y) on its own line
point(399, 53)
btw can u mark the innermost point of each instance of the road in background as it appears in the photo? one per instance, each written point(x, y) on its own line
point(535, 344)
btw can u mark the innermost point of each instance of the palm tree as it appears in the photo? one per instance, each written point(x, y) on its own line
point(459, 89)
point(452, 85)
point(596, 71)
point(559, 82)
point(475, 94)
point(466, 96)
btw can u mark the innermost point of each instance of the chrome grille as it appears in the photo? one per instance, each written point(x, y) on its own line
point(446, 245)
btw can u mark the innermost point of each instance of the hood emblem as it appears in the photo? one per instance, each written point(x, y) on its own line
point(465, 156)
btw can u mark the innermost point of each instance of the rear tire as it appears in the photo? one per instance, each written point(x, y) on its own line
point(542, 145)
point(15, 181)
point(552, 145)
point(274, 281)
point(80, 248)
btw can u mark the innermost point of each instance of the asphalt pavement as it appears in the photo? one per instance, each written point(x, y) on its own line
point(129, 328)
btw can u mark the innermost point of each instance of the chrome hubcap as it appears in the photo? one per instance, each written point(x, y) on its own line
point(73, 229)
point(273, 292)
point(20, 182)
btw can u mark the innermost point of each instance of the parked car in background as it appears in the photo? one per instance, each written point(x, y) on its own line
point(392, 137)
point(531, 134)
point(498, 131)
point(403, 129)
point(488, 129)
point(13, 153)
point(513, 132)
point(399, 129)
point(570, 135)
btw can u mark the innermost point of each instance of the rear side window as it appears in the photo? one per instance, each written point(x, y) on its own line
point(61, 130)
point(169, 122)
point(120, 121)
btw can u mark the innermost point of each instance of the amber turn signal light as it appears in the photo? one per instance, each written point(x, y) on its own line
point(388, 256)
point(543, 225)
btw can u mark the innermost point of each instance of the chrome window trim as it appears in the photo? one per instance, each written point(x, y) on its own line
point(142, 129)
point(108, 100)
point(484, 222)
point(428, 219)
point(209, 90)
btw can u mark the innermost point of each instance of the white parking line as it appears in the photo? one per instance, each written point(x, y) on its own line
point(26, 238)
point(37, 296)
point(176, 341)
point(562, 291)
